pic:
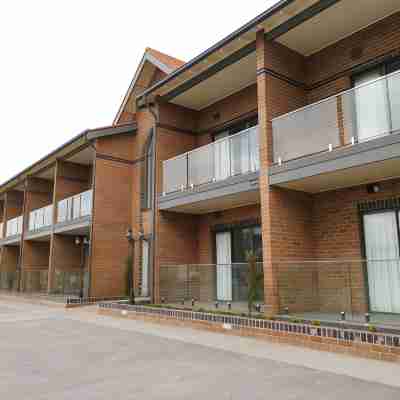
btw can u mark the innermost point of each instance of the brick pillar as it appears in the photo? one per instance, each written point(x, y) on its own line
point(266, 157)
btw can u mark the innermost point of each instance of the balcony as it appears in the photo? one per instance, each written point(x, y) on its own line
point(345, 140)
point(40, 223)
point(222, 174)
point(1, 230)
point(14, 229)
point(74, 213)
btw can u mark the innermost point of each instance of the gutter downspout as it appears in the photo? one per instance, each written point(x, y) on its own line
point(90, 143)
point(154, 198)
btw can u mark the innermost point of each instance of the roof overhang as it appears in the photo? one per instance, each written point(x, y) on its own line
point(334, 23)
point(93, 134)
point(238, 47)
point(305, 26)
point(77, 150)
point(147, 59)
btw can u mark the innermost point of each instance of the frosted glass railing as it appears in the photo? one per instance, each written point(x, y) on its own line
point(75, 207)
point(41, 218)
point(366, 112)
point(14, 226)
point(234, 155)
point(1, 230)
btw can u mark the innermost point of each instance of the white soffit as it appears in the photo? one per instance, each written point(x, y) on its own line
point(230, 80)
point(336, 23)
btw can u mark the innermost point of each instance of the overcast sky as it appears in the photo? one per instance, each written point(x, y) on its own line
point(66, 65)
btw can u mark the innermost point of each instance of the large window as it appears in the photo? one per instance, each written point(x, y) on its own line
point(147, 173)
point(377, 103)
point(382, 247)
point(232, 247)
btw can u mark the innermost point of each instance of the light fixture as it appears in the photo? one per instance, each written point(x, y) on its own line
point(373, 188)
point(129, 234)
point(77, 240)
point(343, 316)
point(86, 241)
point(367, 318)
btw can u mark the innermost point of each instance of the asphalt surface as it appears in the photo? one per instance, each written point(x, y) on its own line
point(49, 353)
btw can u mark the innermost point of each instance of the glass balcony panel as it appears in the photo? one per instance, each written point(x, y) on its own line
point(233, 155)
point(62, 210)
point(201, 165)
point(48, 215)
point(240, 154)
point(1, 230)
point(254, 149)
point(222, 159)
point(76, 206)
point(372, 111)
point(32, 217)
point(310, 130)
point(86, 203)
point(175, 174)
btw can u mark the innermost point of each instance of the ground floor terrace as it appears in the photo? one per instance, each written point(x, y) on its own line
point(327, 256)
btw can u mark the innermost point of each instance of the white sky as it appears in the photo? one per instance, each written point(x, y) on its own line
point(66, 64)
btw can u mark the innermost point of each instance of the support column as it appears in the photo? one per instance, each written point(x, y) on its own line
point(264, 116)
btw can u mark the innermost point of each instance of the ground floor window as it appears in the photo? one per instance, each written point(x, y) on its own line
point(232, 248)
point(381, 236)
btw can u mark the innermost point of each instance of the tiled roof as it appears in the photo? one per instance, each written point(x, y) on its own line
point(169, 61)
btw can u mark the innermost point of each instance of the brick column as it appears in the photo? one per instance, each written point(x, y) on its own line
point(266, 158)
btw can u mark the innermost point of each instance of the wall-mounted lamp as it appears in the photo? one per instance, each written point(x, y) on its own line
point(78, 240)
point(373, 188)
point(129, 234)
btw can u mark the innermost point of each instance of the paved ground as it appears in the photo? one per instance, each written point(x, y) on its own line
point(48, 353)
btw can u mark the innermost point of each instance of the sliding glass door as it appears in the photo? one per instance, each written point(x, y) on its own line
point(371, 101)
point(381, 231)
point(224, 266)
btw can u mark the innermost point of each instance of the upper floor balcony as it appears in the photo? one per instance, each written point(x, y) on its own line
point(13, 232)
point(345, 140)
point(74, 213)
point(40, 223)
point(41, 218)
point(206, 178)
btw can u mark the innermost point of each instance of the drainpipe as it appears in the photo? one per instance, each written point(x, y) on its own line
point(89, 262)
point(154, 198)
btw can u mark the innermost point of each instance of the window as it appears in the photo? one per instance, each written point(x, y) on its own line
point(381, 240)
point(147, 173)
point(377, 104)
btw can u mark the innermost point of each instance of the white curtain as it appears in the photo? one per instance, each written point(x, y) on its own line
point(382, 251)
point(145, 268)
point(371, 106)
point(254, 149)
point(222, 156)
point(224, 266)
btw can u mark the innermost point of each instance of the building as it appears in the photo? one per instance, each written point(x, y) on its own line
point(280, 139)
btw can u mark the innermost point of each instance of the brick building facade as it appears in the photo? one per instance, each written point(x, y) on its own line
point(279, 140)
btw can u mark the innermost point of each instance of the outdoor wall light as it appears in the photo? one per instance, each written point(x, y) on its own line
point(258, 307)
point(216, 304)
point(286, 310)
point(162, 300)
point(77, 240)
point(373, 188)
point(343, 316)
point(193, 302)
point(229, 306)
point(367, 318)
point(129, 234)
point(183, 302)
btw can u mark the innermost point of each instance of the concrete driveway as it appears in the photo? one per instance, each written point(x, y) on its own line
point(48, 353)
